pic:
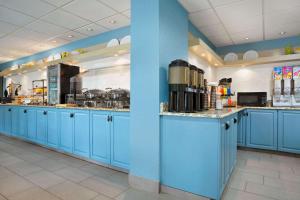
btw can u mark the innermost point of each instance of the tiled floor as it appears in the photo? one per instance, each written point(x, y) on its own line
point(29, 172)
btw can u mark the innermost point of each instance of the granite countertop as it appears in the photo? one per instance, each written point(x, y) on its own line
point(71, 107)
point(219, 114)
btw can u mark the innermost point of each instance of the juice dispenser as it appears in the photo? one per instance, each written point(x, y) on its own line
point(278, 82)
point(296, 92)
point(282, 86)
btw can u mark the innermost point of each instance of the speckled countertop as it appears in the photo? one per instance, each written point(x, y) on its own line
point(219, 114)
point(70, 107)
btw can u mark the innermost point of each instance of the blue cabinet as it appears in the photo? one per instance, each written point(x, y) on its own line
point(82, 133)
point(120, 140)
point(15, 121)
point(2, 116)
point(66, 130)
point(23, 130)
point(52, 128)
point(100, 136)
point(31, 123)
point(262, 129)
point(241, 128)
point(7, 120)
point(289, 131)
point(41, 126)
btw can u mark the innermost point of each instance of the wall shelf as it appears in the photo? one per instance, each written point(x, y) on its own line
point(91, 54)
point(204, 52)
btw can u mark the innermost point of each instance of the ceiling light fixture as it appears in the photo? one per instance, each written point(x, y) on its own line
point(282, 33)
point(54, 41)
point(90, 29)
point(203, 54)
point(70, 36)
point(216, 64)
point(112, 21)
point(246, 38)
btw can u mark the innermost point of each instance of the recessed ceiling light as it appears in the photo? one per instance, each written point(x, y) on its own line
point(246, 38)
point(216, 64)
point(90, 29)
point(70, 36)
point(282, 33)
point(203, 54)
point(54, 41)
point(116, 55)
point(112, 21)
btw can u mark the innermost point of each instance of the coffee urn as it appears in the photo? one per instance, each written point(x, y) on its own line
point(179, 80)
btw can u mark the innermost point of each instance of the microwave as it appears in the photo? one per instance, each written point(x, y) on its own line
point(258, 99)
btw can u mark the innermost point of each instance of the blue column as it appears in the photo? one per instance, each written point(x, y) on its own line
point(159, 30)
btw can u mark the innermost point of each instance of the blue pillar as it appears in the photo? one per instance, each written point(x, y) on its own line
point(159, 31)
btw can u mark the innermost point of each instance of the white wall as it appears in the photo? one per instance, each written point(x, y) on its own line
point(116, 77)
point(210, 71)
point(257, 78)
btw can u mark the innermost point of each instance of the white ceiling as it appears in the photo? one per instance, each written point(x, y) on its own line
point(31, 26)
point(230, 22)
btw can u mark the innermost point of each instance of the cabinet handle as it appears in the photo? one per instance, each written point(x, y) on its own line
point(227, 126)
point(45, 112)
point(9, 109)
point(72, 115)
point(111, 118)
point(25, 111)
point(235, 120)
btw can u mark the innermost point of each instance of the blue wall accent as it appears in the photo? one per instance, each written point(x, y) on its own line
point(194, 30)
point(86, 42)
point(159, 31)
point(260, 46)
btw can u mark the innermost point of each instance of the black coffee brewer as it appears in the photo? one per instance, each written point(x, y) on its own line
point(179, 80)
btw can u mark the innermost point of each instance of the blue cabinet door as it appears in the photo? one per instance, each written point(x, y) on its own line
point(262, 129)
point(100, 136)
point(7, 120)
point(120, 140)
point(31, 123)
point(15, 121)
point(82, 133)
point(41, 126)
point(289, 131)
point(23, 122)
point(66, 128)
point(234, 128)
point(52, 128)
point(241, 128)
point(2, 116)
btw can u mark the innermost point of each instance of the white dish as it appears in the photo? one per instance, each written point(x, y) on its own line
point(126, 40)
point(231, 57)
point(250, 55)
point(113, 43)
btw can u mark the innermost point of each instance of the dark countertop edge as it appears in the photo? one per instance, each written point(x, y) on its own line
point(61, 107)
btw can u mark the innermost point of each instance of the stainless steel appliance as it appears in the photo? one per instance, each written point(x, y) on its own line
point(258, 99)
point(59, 82)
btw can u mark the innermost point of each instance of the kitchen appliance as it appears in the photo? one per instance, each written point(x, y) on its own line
point(204, 97)
point(193, 88)
point(296, 88)
point(282, 93)
point(179, 81)
point(199, 91)
point(258, 99)
point(59, 82)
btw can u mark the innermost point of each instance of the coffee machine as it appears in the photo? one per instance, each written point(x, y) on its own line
point(180, 98)
point(282, 94)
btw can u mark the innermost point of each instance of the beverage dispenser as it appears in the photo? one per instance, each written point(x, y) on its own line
point(193, 101)
point(282, 77)
point(179, 81)
point(296, 88)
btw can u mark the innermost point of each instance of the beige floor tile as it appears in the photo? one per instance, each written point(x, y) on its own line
point(72, 191)
point(35, 193)
point(51, 164)
point(103, 186)
point(97, 170)
point(290, 177)
point(45, 179)
point(260, 171)
point(5, 173)
point(9, 160)
point(271, 192)
point(73, 162)
point(133, 194)
point(31, 157)
point(14, 184)
point(73, 174)
point(101, 197)
point(239, 179)
point(2, 197)
point(283, 184)
point(23, 168)
point(119, 178)
point(232, 194)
